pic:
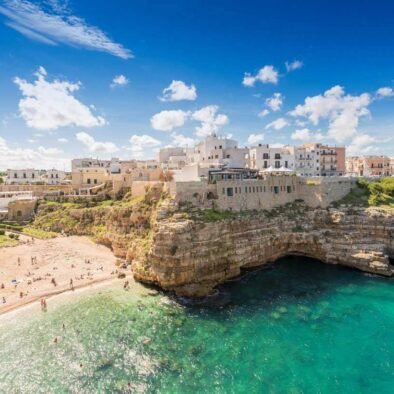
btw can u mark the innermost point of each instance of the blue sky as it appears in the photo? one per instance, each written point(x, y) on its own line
point(78, 80)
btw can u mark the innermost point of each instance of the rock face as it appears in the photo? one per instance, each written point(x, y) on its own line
point(191, 256)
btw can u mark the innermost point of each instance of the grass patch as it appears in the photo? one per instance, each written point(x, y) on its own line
point(38, 233)
point(210, 215)
point(5, 240)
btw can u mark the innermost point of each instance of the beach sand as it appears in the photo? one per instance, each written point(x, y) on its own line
point(61, 259)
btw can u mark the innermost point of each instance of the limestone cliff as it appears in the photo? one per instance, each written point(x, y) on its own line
point(191, 255)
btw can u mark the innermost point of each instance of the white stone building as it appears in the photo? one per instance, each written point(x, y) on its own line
point(264, 156)
point(55, 177)
point(25, 176)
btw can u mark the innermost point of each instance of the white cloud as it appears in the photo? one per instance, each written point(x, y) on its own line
point(306, 135)
point(263, 113)
point(15, 157)
point(275, 102)
point(96, 146)
point(50, 105)
point(181, 140)
point(267, 74)
point(277, 124)
point(210, 120)
point(168, 120)
point(384, 92)
point(50, 151)
point(178, 91)
point(58, 25)
point(62, 140)
point(361, 144)
point(119, 80)
point(254, 139)
point(295, 65)
point(139, 143)
point(343, 112)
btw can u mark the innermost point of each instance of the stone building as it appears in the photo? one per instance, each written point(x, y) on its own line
point(265, 156)
point(369, 166)
point(24, 176)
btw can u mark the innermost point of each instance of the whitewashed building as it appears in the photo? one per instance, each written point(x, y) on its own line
point(55, 177)
point(24, 176)
point(264, 156)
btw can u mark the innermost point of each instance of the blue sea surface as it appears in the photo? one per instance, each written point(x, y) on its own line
point(297, 327)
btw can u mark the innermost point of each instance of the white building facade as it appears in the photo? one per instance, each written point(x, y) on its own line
point(25, 176)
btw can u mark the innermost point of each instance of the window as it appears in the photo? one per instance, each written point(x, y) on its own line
point(265, 164)
point(277, 164)
point(288, 189)
point(229, 191)
point(265, 156)
point(246, 189)
point(250, 189)
point(286, 164)
point(220, 146)
point(15, 175)
point(277, 156)
point(24, 175)
point(254, 189)
point(88, 181)
point(228, 156)
point(95, 181)
point(276, 189)
point(224, 191)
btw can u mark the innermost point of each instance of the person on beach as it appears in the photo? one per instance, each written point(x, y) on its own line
point(4, 300)
point(53, 281)
point(71, 284)
point(43, 305)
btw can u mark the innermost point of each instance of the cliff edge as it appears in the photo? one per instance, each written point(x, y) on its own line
point(194, 251)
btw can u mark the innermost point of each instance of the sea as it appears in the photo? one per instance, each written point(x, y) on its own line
point(297, 326)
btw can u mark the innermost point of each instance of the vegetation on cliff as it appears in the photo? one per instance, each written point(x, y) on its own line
point(378, 193)
point(123, 225)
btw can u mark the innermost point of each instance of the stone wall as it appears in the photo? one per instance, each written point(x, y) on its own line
point(324, 191)
point(267, 193)
point(38, 190)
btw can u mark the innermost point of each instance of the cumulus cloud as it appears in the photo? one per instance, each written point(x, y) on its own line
point(384, 92)
point(343, 111)
point(181, 140)
point(119, 80)
point(306, 135)
point(275, 102)
point(210, 120)
point(50, 105)
point(361, 144)
point(263, 113)
point(178, 91)
point(139, 143)
point(277, 124)
point(56, 25)
point(96, 146)
point(295, 65)
point(18, 158)
point(267, 74)
point(254, 139)
point(168, 120)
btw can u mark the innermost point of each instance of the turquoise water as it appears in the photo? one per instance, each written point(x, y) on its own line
point(298, 327)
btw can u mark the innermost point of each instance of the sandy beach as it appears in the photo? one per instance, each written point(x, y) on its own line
point(43, 268)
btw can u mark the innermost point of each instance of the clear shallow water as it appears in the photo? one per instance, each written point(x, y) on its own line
point(299, 327)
